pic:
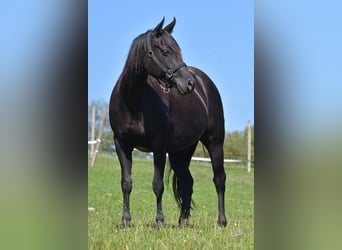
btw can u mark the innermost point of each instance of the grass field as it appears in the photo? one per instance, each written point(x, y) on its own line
point(104, 195)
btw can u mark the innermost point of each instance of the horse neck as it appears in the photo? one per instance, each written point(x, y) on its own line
point(133, 86)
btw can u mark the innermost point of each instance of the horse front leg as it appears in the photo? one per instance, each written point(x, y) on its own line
point(158, 184)
point(124, 153)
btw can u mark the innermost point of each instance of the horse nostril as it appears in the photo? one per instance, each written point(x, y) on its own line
point(190, 85)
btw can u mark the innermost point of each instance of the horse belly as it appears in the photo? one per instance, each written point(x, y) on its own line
point(186, 133)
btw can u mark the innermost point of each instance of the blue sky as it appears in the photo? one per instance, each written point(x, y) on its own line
point(215, 36)
point(305, 39)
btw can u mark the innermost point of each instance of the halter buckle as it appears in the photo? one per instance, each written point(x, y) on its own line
point(169, 73)
point(166, 90)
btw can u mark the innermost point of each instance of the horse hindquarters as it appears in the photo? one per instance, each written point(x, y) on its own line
point(213, 140)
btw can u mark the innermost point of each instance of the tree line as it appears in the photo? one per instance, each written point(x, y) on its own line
point(235, 144)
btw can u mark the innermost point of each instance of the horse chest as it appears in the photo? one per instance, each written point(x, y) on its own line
point(135, 125)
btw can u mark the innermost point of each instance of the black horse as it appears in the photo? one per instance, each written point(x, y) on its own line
point(161, 105)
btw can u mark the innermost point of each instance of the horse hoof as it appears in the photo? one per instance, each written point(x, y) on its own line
point(125, 223)
point(222, 222)
point(159, 219)
point(159, 223)
point(183, 223)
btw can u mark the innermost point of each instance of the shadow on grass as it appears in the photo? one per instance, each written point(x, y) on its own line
point(153, 226)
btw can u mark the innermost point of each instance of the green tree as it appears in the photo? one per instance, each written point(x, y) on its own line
point(235, 145)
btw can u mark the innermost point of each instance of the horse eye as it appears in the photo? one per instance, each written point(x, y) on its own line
point(165, 52)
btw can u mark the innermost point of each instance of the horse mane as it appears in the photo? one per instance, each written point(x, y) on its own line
point(137, 51)
point(136, 54)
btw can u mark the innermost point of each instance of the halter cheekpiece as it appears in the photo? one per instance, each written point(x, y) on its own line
point(168, 71)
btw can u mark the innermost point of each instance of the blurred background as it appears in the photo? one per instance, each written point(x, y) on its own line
point(43, 75)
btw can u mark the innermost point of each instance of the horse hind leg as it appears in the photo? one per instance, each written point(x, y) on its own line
point(182, 182)
point(216, 154)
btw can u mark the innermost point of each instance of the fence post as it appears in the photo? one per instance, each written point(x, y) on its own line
point(93, 113)
point(98, 141)
point(249, 147)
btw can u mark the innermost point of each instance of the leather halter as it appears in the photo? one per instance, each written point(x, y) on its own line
point(168, 71)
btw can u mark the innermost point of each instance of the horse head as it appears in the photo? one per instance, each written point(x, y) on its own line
point(164, 60)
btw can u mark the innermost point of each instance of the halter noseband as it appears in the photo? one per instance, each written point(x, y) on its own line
point(168, 72)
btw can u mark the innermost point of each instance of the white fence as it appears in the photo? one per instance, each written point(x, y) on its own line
point(208, 159)
point(194, 158)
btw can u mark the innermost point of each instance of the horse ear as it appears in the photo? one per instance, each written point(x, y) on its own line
point(170, 26)
point(158, 29)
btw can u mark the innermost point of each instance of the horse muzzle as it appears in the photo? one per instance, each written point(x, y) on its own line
point(183, 81)
point(187, 88)
point(184, 86)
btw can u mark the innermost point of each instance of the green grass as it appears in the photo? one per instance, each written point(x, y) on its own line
point(104, 194)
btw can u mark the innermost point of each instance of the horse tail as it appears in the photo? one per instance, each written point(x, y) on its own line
point(175, 188)
point(176, 191)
